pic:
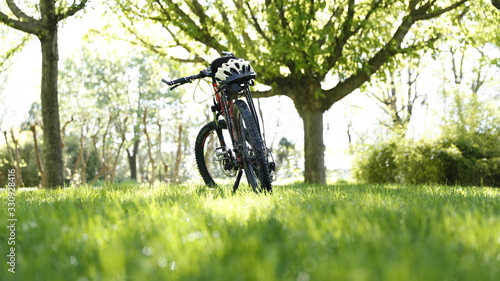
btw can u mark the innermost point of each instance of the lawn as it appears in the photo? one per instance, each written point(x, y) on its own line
point(177, 232)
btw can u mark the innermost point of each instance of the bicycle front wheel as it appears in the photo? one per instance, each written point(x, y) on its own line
point(213, 157)
point(251, 148)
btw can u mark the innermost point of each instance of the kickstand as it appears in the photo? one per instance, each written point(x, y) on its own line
point(237, 182)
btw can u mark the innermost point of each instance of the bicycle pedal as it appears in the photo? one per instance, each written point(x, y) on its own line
point(221, 154)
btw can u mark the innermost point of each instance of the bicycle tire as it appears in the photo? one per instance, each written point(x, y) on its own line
point(201, 150)
point(256, 165)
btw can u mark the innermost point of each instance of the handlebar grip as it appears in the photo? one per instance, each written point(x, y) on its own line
point(182, 80)
point(177, 82)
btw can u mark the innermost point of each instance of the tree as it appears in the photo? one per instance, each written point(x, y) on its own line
point(117, 85)
point(295, 45)
point(15, 154)
point(45, 27)
point(466, 151)
point(397, 97)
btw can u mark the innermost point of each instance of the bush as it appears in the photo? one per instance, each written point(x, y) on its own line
point(377, 164)
point(443, 161)
point(29, 168)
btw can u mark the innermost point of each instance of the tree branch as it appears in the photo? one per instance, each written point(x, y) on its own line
point(18, 12)
point(496, 3)
point(374, 6)
point(196, 59)
point(231, 33)
point(421, 13)
point(28, 27)
point(127, 22)
point(285, 25)
point(246, 38)
point(185, 23)
point(256, 24)
point(10, 53)
point(337, 46)
point(72, 10)
point(199, 11)
point(328, 25)
point(264, 94)
point(363, 74)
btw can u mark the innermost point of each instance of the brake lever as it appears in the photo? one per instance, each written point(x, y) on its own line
point(206, 72)
point(173, 87)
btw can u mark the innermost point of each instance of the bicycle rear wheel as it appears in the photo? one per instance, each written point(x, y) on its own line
point(252, 149)
point(213, 158)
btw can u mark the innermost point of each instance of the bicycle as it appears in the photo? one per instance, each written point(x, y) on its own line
point(235, 119)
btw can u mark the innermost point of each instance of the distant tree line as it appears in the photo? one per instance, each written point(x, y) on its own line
point(117, 123)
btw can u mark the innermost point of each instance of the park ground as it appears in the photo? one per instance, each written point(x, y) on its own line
point(300, 232)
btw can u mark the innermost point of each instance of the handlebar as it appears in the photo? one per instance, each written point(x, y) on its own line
point(183, 80)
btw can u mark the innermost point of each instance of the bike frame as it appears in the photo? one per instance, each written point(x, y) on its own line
point(223, 103)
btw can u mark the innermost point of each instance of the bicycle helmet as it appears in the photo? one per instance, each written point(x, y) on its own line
point(234, 69)
point(218, 63)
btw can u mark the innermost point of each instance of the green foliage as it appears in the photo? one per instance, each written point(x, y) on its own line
point(71, 152)
point(123, 89)
point(443, 161)
point(467, 152)
point(376, 164)
point(29, 168)
point(308, 38)
point(4, 166)
point(468, 148)
point(287, 159)
point(178, 232)
point(11, 45)
point(479, 26)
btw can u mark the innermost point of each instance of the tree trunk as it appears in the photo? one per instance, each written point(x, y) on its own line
point(150, 151)
point(50, 111)
point(132, 160)
point(178, 155)
point(310, 106)
point(314, 148)
point(38, 158)
point(15, 158)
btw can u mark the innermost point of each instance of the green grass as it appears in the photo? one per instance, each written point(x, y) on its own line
point(169, 232)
